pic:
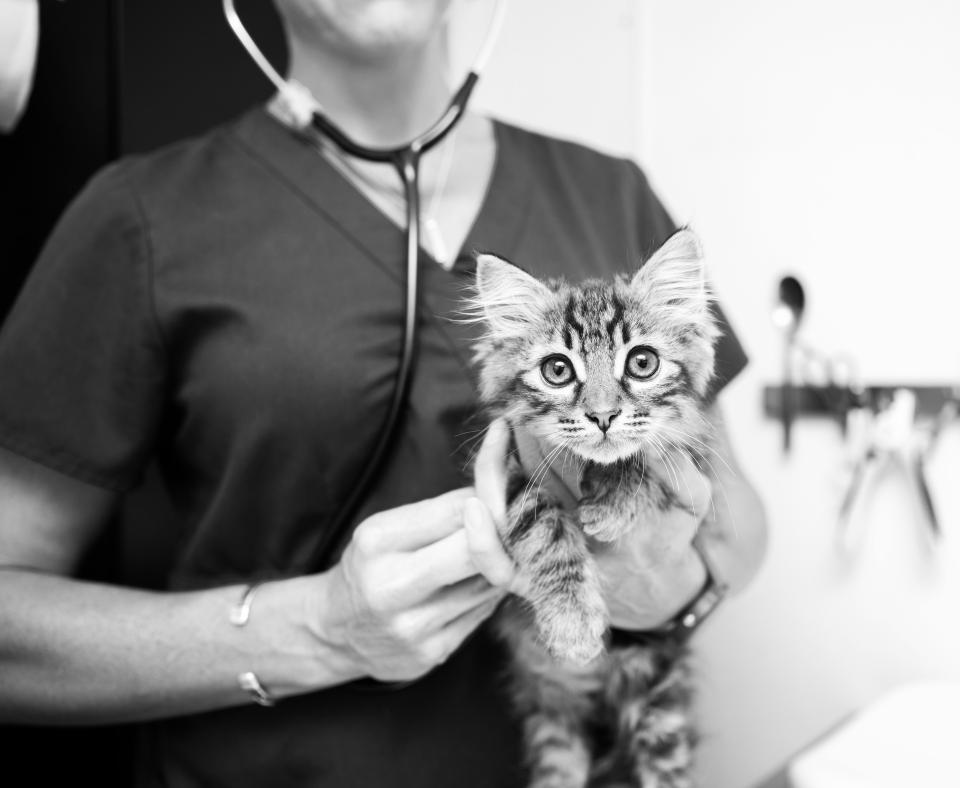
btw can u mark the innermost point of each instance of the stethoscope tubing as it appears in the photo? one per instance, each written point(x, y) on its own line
point(405, 159)
point(407, 164)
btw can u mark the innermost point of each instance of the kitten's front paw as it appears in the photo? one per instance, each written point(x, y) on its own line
point(573, 633)
point(597, 522)
point(575, 646)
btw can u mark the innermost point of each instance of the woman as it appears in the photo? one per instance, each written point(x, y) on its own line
point(232, 306)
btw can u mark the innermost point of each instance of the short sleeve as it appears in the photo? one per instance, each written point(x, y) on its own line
point(81, 361)
point(731, 358)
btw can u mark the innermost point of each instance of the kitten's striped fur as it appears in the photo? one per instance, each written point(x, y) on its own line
point(571, 363)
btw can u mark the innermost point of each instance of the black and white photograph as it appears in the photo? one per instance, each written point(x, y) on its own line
point(479, 393)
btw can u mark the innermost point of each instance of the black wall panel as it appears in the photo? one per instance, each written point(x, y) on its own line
point(66, 132)
point(183, 71)
point(113, 77)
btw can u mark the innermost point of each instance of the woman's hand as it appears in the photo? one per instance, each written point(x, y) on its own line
point(413, 583)
point(652, 571)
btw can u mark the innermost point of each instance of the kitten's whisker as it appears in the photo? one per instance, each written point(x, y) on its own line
point(699, 460)
point(544, 461)
point(702, 446)
point(699, 443)
point(693, 444)
point(645, 467)
point(671, 460)
point(576, 459)
point(722, 488)
point(661, 451)
point(549, 467)
point(476, 436)
point(678, 475)
point(681, 450)
point(531, 481)
point(539, 474)
point(726, 500)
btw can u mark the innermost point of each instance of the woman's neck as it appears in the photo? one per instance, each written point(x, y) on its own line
point(381, 103)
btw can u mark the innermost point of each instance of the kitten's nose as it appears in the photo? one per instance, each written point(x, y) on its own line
point(602, 418)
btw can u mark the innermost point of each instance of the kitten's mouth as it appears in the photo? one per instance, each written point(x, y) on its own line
point(605, 449)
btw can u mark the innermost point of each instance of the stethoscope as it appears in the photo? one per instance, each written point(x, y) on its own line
point(306, 112)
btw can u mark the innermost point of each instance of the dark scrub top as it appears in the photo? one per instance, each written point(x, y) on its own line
point(233, 307)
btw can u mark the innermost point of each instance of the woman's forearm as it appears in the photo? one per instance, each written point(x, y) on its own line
point(649, 580)
point(74, 652)
point(735, 536)
point(734, 533)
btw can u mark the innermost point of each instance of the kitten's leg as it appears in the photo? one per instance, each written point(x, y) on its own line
point(556, 753)
point(560, 577)
point(554, 702)
point(650, 690)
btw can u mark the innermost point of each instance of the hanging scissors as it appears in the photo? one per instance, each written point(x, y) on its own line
point(919, 459)
point(892, 436)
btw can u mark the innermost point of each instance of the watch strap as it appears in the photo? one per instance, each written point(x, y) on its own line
point(692, 615)
point(711, 594)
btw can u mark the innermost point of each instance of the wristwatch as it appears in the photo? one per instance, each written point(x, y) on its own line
point(695, 612)
point(679, 628)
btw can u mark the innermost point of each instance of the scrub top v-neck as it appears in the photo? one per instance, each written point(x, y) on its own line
point(232, 307)
point(442, 401)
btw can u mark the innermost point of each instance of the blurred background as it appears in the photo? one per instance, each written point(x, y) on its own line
point(813, 140)
point(816, 140)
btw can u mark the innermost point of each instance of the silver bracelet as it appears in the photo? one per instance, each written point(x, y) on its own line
point(248, 681)
point(250, 684)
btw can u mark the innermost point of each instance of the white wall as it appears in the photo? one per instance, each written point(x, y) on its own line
point(564, 66)
point(821, 139)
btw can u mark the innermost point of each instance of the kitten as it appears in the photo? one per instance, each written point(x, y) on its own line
point(611, 371)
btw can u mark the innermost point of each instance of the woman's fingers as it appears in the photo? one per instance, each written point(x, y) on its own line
point(443, 563)
point(452, 602)
point(413, 526)
point(490, 469)
point(486, 549)
point(412, 581)
point(482, 515)
point(476, 548)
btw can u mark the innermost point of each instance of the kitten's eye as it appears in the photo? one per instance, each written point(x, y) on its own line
point(557, 370)
point(642, 363)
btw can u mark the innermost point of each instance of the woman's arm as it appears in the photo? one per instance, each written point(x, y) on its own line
point(734, 533)
point(404, 596)
point(81, 652)
point(653, 573)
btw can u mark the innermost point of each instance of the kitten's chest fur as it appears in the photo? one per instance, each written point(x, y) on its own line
point(598, 711)
point(624, 495)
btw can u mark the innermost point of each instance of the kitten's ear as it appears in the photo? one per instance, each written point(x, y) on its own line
point(506, 296)
point(675, 275)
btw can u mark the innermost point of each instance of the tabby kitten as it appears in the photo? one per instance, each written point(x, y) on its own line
point(610, 371)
